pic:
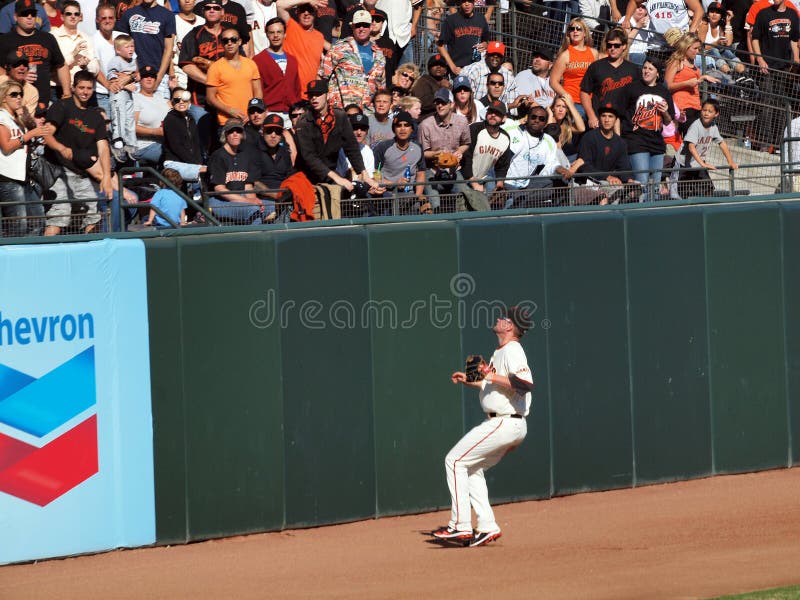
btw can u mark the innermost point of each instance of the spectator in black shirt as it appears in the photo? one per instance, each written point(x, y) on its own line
point(602, 151)
point(232, 169)
point(462, 32)
point(605, 79)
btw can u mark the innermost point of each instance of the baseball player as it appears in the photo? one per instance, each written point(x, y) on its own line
point(505, 396)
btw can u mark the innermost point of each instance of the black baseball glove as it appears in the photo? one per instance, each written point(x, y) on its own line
point(474, 367)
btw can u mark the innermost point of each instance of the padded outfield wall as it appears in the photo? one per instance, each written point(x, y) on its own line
point(300, 376)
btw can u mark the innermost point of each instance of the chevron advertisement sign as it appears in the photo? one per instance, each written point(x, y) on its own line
point(76, 457)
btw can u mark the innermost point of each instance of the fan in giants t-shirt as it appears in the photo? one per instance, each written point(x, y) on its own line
point(42, 50)
point(776, 33)
point(460, 34)
point(77, 128)
point(606, 84)
point(641, 129)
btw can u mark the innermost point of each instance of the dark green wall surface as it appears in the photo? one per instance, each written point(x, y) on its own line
point(300, 376)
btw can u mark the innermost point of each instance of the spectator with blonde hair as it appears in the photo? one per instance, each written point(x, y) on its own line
point(574, 57)
point(683, 78)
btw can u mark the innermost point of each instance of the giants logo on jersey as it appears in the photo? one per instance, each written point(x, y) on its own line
point(646, 115)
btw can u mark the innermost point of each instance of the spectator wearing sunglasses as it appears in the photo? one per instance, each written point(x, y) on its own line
point(40, 47)
point(606, 79)
point(16, 67)
point(355, 66)
point(182, 149)
point(232, 80)
point(7, 22)
point(76, 46)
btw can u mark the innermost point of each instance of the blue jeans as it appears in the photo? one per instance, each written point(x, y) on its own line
point(239, 212)
point(20, 219)
point(104, 103)
point(649, 167)
point(149, 154)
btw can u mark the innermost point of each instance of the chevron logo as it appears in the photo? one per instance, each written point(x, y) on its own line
point(48, 429)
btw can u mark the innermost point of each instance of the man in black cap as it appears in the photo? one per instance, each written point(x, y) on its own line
point(403, 161)
point(534, 83)
point(16, 66)
point(256, 113)
point(505, 388)
point(321, 133)
point(427, 85)
point(361, 127)
point(232, 168)
point(79, 142)
point(40, 47)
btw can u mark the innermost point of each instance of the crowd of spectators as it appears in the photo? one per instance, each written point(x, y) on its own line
point(282, 109)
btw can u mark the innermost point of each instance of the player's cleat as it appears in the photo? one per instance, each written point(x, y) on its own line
point(448, 533)
point(482, 537)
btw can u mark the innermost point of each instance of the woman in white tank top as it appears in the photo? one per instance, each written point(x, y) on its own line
point(17, 218)
point(717, 35)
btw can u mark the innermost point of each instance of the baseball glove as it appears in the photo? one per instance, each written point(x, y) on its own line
point(446, 160)
point(474, 367)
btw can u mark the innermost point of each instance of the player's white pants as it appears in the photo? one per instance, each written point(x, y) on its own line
point(480, 449)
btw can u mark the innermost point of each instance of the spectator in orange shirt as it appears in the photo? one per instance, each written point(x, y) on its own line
point(303, 41)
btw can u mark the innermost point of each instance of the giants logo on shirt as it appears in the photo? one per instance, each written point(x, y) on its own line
point(235, 176)
point(36, 53)
point(140, 24)
point(81, 126)
point(490, 150)
point(780, 28)
point(467, 31)
point(612, 84)
point(646, 115)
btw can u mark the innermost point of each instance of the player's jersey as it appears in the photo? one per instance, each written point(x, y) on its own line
point(507, 360)
point(667, 13)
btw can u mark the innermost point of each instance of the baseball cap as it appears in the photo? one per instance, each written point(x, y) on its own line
point(232, 125)
point(148, 71)
point(437, 59)
point(361, 16)
point(317, 87)
point(496, 48)
point(520, 317)
point(21, 6)
point(543, 52)
point(608, 108)
point(497, 106)
point(258, 104)
point(402, 117)
point(462, 81)
point(444, 95)
point(272, 121)
point(377, 12)
point(13, 59)
point(359, 120)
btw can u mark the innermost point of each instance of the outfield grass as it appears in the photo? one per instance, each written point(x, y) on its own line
point(784, 593)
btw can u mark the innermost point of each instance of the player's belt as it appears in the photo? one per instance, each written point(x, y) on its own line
point(492, 415)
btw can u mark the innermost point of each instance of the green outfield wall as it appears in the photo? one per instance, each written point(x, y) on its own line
point(300, 376)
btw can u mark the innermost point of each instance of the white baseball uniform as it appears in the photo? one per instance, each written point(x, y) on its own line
point(483, 446)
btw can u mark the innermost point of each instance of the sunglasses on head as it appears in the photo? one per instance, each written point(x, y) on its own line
point(14, 94)
point(229, 40)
